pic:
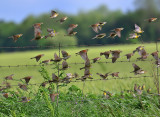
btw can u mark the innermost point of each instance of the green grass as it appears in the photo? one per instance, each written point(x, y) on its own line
point(23, 58)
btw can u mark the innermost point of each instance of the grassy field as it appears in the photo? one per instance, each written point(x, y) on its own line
point(23, 58)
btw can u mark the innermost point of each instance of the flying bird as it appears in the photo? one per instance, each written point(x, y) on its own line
point(151, 20)
point(10, 77)
point(87, 65)
point(54, 14)
point(104, 76)
point(138, 29)
point(115, 74)
point(96, 59)
point(15, 37)
point(137, 69)
point(27, 79)
point(155, 55)
point(112, 35)
point(115, 55)
point(133, 36)
point(118, 31)
point(52, 33)
point(71, 27)
point(98, 26)
point(38, 57)
point(129, 55)
point(106, 54)
point(62, 19)
point(65, 55)
point(99, 36)
point(83, 54)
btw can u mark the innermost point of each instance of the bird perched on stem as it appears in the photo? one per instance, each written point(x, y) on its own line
point(65, 55)
point(56, 58)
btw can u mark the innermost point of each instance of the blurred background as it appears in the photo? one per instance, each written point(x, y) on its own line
point(18, 16)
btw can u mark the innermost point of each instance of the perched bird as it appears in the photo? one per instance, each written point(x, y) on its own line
point(143, 87)
point(72, 33)
point(62, 19)
point(71, 27)
point(135, 87)
point(157, 62)
point(138, 29)
point(151, 20)
point(112, 35)
point(115, 74)
point(27, 79)
point(65, 55)
point(115, 55)
point(38, 57)
point(5, 95)
point(56, 58)
point(83, 54)
point(54, 14)
point(137, 69)
point(96, 59)
point(52, 33)
point(149, 90)
point(87, 74)
point(155, 55)
point(87, 65)
point(64, 65)
point(99, 36)
point(10, 77)
point(139, 90)
point(129, 56)
point(68, 78)
point(24, 87)
point(133, 36)
point(25, 99)
point(55, 78)
point(15, 37)
point(104, 76)
point(106, 54)
point(118, 31)
point(53, 95)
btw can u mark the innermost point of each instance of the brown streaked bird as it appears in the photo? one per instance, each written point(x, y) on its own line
point(95, 27)
point(143, 87)
point(46, 61)
point(129, 55)
point(112, 35)
point(99, 36)
point(138, 49)
point(138, 29)
point(115, 74)
point(53, 95)
point(96, 59)
point(106, 54)
point(143, 54)
point(55, 78)
point(27, 79)
point(65, 55)
point(83, 54)
point(71, 27)
point(52, 33)
point(56, 58)
point(38, 57)
point(25, 99)
point(54, 14)
point(68, 77)
point(115, 55)
point(10, 77)
point(87, 65)
point(137, 69)
point(135, 87)
point(22, 86)
point(118, 31)
point(15, 37)
point(155, 55)
point(5, 95)
point(62, 19)
point(87, 74)
point(104, 76)
point(149, 90)
point(151, 20)
point(133, 36)
point(64, 65)
point(72, 33)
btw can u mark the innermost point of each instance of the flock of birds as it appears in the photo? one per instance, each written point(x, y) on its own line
point(70, 31)
point(83, 53)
